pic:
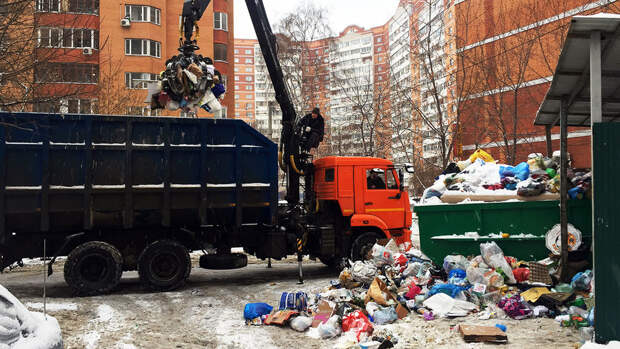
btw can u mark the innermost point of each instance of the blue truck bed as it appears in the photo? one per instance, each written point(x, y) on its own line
point(68, 173)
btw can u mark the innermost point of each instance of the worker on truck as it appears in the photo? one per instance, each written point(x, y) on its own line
point(312, 129)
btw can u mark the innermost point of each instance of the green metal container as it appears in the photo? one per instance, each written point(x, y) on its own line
point(439, 223)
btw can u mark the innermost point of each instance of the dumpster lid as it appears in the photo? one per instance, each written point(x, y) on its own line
point(572, 74)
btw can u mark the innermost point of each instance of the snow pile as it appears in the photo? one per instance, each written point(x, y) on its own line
point(20, 328)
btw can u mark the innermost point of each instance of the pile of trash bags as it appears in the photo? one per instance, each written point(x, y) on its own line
point(395, 284)
point(480, 174)
point(189, 82)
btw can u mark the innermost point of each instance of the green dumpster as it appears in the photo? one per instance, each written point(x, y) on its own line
point(443, 228)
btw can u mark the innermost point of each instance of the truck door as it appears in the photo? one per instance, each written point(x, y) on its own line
point(382, 197)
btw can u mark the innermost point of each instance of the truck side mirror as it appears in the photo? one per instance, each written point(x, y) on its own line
point(409, 168)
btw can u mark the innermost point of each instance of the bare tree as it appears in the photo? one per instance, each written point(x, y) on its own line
point(114, 97)
point(438, 95)
point(306, 24)
point(366, 122)
point(30, 56)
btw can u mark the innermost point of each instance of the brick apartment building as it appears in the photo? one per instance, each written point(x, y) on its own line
point(102, 54)
point(447, 73)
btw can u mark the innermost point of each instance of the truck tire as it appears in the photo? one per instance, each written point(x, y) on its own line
point(362, 245)
point(94, 267)
point(164, 265)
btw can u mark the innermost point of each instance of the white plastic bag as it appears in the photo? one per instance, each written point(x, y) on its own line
point(381, 255)
point(301, 323)
point(494, 257)
point(363, 272)
point(330, 328)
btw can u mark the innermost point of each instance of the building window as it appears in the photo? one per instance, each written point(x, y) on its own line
point(237, 87)
point(139, 13)
point(248, 60)
point(237, 97)
point(220, 52)
point(248, 78)
point(236, 69)
point(249, 87)
point(142, 47)
point(83, 6)
point(48, 5)
point(249, 114)
point(248, 106)
point(236, 78)
point(139, 80)
point(248, 52)
point(68, 37)
point(236, 60)
point(249, 96)
point(248, 70)
point(67, 72)
point(236, 51)
point(379, 39)
point(220, 21)
point(379, 49)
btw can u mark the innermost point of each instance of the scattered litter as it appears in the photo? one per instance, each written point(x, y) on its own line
point(491, 334)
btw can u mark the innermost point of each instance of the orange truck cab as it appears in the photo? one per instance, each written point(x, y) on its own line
point(364, 200)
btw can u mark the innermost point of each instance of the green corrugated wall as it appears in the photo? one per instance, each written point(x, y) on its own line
point(606, 220)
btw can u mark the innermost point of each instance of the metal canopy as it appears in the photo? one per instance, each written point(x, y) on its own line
point(571, 79)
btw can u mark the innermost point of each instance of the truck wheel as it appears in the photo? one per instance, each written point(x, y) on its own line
point(164, 265)
point(362, 246)
point(94, 267)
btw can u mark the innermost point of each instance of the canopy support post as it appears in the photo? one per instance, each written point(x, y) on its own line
point(564, 188)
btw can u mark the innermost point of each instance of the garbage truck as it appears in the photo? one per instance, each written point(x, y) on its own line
point(119, 193)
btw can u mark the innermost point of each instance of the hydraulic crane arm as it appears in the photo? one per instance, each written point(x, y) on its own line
point(192, 12)
point(289, 140)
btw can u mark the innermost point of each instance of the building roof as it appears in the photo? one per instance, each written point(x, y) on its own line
point(572, 74)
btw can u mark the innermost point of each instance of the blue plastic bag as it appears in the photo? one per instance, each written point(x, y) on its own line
point(521, 171)
point(457, 273)
point(254, 310)
point(294, 301)
point(449, 289)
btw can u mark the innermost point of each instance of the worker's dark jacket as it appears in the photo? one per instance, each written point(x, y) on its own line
point(317, 126)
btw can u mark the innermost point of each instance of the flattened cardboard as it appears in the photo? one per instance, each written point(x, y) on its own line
point(534, 293)
point(401, 311)
point(472, 333)
point(323, 314)
point(280, 317)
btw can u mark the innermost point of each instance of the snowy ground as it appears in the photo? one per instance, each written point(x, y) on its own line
point(208, 313)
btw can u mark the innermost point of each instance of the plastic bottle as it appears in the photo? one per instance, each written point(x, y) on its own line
point(586, 334)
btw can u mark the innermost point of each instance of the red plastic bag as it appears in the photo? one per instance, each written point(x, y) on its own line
point(414, 290)
point(400, 260)
point(521, 274)
point(357, 322)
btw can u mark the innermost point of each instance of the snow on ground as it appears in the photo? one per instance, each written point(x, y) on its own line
point(52, 306)
point(208, 313)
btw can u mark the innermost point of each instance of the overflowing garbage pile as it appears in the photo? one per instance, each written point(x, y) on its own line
point(395, 284)
point(480, 178)
point(189, 82)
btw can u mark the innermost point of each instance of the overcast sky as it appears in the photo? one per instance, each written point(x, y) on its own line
point(365, 13)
